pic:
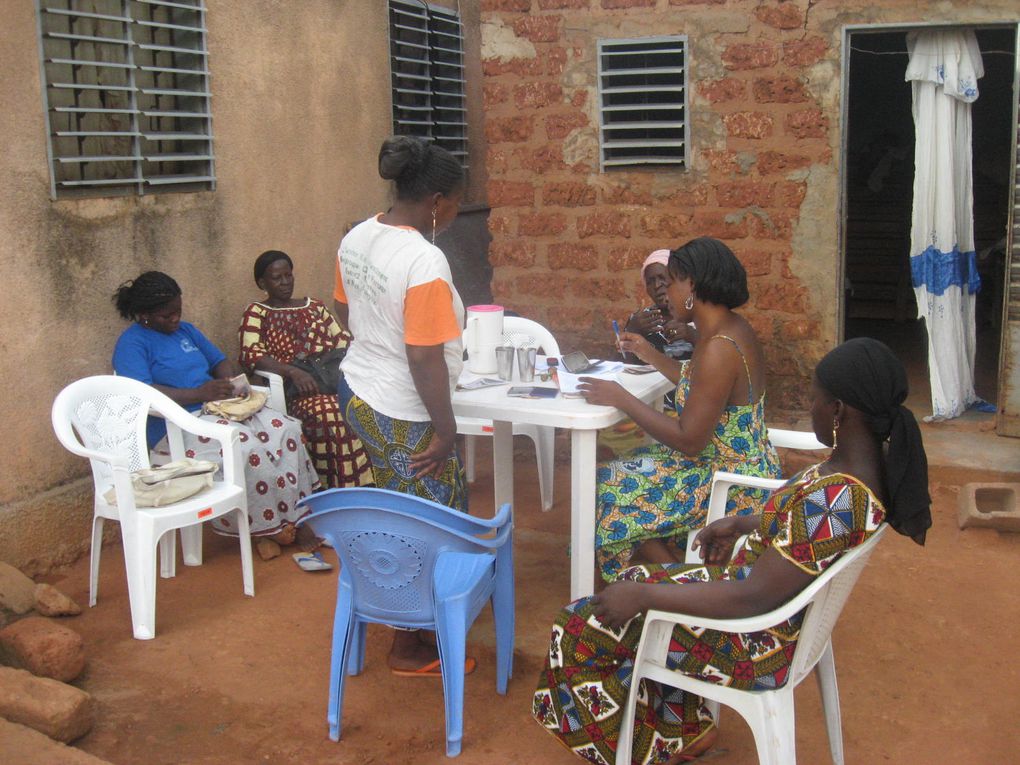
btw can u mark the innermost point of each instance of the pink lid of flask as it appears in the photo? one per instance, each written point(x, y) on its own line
point(484, 308)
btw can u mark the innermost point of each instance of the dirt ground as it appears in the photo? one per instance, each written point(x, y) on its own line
point(924, 653)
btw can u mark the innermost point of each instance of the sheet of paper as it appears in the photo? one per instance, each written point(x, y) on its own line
point(471, 381)
point(606, 370)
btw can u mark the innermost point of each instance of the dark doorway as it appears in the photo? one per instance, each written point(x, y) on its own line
point(879, 176)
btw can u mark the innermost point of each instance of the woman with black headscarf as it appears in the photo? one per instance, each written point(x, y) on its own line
point(877, 472)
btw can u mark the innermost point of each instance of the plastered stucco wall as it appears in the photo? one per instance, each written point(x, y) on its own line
point(300, 104)
point(764, 94)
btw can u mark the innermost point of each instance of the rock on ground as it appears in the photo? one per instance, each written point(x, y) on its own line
point(24, 746)
point(59, 711)
point(44, 648)
point(17, 591)
point(49, 601)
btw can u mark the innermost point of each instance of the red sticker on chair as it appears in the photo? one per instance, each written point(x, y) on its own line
point(205, 513)
point(487, 428)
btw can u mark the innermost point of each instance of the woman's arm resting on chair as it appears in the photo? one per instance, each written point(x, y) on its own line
point(432, 381)
point(772, 582)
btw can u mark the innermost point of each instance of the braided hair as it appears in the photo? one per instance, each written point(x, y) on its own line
point(146, 293)
point(716, 273)
point(419, 168)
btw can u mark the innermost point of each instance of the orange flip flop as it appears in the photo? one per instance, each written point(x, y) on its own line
point(432, 669)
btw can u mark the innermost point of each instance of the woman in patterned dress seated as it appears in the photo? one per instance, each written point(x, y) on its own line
point(273, 333)
point(174, 357)
point(877, 472)
point(649, 498)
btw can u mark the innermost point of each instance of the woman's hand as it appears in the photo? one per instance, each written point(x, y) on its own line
point(716, 540)
point(215, 390)
point(646, 321)
point(603, 392)
point(433, 460)
point(679, 330)
point(631, 342)
point(618, 603)
point(304, 383)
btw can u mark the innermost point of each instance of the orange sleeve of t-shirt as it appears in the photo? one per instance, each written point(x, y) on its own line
point(338, 285)
point(428, 314)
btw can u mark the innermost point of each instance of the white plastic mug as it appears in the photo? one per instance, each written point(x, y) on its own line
point(484, 334)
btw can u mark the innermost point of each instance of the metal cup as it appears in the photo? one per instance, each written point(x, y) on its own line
point(505, 362)
point(526, 363)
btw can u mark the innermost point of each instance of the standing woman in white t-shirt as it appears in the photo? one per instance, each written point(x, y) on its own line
point(395, 294)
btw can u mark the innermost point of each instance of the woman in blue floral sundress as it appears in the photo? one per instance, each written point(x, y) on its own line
point(650, 498)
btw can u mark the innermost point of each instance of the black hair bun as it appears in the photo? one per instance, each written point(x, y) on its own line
point(401, 156)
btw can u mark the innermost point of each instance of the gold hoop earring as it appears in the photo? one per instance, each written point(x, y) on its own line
point(835, 432)
point(689, 302)
point(435, 211)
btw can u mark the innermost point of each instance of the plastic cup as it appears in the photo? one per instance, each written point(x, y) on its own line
point(526, 363)
point(505, 362)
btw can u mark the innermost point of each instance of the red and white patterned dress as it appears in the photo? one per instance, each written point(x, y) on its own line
point(309, 329)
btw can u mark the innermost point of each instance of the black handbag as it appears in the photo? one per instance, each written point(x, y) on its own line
point(323, 367)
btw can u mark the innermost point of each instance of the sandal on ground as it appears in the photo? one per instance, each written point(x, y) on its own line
point(311, 561)
point(433, 669)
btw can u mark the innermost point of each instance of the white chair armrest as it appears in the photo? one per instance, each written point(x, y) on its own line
point(276, 399)
point(722, 482)
point(795, 439)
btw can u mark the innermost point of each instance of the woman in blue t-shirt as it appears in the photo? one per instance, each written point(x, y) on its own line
point(174, 357)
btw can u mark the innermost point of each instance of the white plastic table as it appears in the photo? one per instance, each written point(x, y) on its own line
point(583, 420)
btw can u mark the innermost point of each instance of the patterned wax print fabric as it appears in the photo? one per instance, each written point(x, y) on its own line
point(309, 330)
point(391, 443)
point(582, 689)
point(655, 492)
point(277, 469)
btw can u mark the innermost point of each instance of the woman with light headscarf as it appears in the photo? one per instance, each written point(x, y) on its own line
point(655, 323)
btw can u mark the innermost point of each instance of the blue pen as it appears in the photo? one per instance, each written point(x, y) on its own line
point(616, 331)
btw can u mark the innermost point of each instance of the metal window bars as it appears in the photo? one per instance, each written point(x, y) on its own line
point(427, 75)
point(126, 91)
point(642, 88)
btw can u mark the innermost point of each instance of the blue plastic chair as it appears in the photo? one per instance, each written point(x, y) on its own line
point(409, 562)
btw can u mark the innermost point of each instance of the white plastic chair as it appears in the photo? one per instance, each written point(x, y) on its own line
point(274, 390)
point(770, 713)
point(723, 481)
point(103, 418)
point(518, 331)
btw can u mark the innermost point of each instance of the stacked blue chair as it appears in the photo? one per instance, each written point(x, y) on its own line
point(409, 562)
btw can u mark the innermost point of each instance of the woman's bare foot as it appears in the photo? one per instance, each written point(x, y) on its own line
point(409, 652)
point(696, 749)
point(267, 548)
point(285, 536)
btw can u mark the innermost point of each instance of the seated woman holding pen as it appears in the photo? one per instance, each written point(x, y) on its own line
point(650, 498)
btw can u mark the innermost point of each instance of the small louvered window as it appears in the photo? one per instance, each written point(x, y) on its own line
point(126, 89)
point(643, 101)
point(427, 74)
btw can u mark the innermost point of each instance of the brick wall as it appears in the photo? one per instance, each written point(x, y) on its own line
point(764, 81)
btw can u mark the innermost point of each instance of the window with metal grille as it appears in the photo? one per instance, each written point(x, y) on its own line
point(126, 91)
point(642, 86)
point(427, 75)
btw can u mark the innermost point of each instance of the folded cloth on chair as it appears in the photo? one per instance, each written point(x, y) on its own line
point(169, 483)
point(237, 409)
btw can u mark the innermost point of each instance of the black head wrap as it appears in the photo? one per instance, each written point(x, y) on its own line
point(266, 259)
point(867, 375)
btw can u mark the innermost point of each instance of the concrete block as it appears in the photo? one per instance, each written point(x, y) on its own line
point(24, 746)
point(990, 506)
point(55, 709)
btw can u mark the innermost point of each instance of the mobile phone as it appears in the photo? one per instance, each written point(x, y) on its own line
point(577, 362)
point(532, 391)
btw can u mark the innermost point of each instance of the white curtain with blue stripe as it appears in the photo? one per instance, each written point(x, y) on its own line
point(943, 70)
